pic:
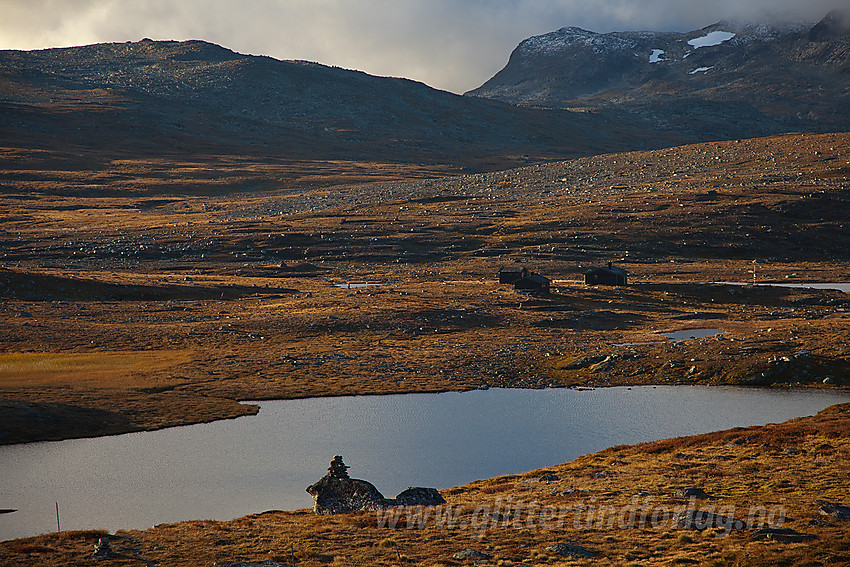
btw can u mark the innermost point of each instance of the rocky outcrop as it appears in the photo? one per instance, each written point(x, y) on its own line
point(781, 535)
point(837, 511)
point(335, 496)
point(702, 519)
point(337, 493)
point(471, 554)
point(570, 550)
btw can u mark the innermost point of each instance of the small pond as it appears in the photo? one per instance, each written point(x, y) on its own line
point(227, 469)
point(690, 334)
point(355, 285)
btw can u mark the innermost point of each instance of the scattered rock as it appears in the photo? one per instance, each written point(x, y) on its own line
point(470, 554)
point(701, 519)
point(550, 477)
point(692, 492)
point(566, 549)
point(418, 496)
point(837, 511)
point(782, 535)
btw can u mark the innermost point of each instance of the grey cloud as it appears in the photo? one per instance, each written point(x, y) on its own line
point(450, 44)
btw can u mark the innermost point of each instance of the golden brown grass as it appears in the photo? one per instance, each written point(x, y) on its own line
point(87, 370)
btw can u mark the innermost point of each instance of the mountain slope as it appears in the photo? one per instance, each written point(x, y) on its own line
point(198, 97)
point(762, 77)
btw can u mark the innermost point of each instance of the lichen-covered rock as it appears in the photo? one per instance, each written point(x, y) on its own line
point(837, 511)
point(702, 519)
point(569, 550)
point(418, 496)
point(337, 493)
point(332, 495)
point(470, 554)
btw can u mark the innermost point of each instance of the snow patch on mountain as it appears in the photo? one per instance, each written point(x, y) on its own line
point(701, 70)
point(713, 38)
point(656, 56)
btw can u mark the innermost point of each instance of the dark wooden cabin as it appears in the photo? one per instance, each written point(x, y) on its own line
point(610, 275)
point(510, 274)
point(534, 283)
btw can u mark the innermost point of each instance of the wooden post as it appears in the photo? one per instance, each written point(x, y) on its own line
point(58, 528)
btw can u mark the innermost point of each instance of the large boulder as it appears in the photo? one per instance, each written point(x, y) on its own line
point(337, 493)
point(418, 496)
point(332, 495)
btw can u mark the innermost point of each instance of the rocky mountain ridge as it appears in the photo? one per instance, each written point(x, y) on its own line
point(784, 77)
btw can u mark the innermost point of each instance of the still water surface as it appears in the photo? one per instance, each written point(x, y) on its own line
point(227, 469)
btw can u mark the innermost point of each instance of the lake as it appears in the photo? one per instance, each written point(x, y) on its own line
point(230, 468)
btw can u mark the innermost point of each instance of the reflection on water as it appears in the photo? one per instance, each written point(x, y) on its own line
point(231, 468)
point(350, 285)
point(845, 287)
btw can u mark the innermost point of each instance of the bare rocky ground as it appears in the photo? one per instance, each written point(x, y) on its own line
point(218, 299)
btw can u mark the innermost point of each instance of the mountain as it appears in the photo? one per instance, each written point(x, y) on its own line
point(197, 97)
point(566, 94)
point(730, 76)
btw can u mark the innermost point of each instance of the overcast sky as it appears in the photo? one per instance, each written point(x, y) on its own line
point(454, 45)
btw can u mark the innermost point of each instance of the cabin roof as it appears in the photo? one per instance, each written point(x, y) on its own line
point(608, 269)
point(536, 278)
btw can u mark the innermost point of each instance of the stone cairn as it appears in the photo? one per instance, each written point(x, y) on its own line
point(338, 469)
point(337, 493)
